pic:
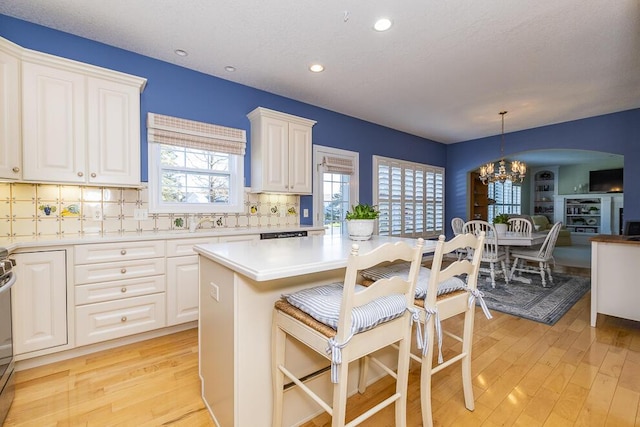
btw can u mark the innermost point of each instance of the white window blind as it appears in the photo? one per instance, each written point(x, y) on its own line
point(410, 197)
point(508, 199)
point(341, 165)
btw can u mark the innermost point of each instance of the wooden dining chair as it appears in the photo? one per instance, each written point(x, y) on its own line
point(347, 321)
point(543, 256)
point(520, 225)
point(491, 254)
point(456, 225)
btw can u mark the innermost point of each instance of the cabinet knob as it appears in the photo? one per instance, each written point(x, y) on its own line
point(124, 270)
point(123, 290)
point(16, 169)
point(123, 252)
point(123, 319)
point(93, 174)
point(80, 174)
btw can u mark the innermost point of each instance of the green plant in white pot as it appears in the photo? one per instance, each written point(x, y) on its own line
point(500, 222)
point(360, 221)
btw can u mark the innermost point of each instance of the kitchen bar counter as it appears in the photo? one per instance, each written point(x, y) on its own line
point(239, 283)
point(615, 289)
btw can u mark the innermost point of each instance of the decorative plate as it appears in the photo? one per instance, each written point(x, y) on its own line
point(592, 221)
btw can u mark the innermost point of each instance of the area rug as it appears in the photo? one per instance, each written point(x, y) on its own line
point(532, 301)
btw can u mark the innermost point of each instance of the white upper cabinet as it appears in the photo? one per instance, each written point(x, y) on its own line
point(280, 152)
point(10, 153)
point(80, 123)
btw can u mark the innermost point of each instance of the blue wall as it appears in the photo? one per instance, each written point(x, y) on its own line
point(617, 133)
point(180, 92)
point(174, 90)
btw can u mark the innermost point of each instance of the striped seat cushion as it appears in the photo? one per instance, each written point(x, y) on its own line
point(323, 304)
point(402, 269)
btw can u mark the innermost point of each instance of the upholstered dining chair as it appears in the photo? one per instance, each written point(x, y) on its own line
point(491, 254)
point(347, 321)
point(543, 256)
point(448, 292)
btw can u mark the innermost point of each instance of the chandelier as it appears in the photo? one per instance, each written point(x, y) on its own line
point(517, 170)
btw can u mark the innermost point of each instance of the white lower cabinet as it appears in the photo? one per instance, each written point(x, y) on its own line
point(119, 290)
point(39, 301)
point(182, 289)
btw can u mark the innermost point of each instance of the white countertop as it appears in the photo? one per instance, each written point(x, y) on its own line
point(11, 244)
point(263, 260)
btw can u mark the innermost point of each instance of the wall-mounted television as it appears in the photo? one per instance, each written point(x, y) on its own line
point(605, 181)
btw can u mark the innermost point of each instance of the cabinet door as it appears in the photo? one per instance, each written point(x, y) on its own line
point(53, 124)
point(10, 158)
point(299, 159)
point(275, 154)
point(40, 301)
point(113, 132)
point(182, 289)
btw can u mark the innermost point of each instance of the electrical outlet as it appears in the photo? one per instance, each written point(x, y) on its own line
point(214, 291)
point(97, 215)
point(305, 213)
point(140, 214)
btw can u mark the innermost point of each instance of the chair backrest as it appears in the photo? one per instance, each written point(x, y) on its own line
point(520, 225)
point(456, 225)
point(546, 249)
point(477, 226)
point(468, 267)
point(396, 285)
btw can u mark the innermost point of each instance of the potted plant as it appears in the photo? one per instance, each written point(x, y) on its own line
point(500, 223)
point(360, 221)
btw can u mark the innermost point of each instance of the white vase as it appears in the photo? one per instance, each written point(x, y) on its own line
point(360, 229)
point(501, 229)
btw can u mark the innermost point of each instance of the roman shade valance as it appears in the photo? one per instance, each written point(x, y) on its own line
point(191, 134)
point(340, 165)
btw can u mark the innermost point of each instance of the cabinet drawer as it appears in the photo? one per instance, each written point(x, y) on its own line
point(94, 273)
point(183, 247)
point(119, 289)
point(121, 251)
point(114, 319)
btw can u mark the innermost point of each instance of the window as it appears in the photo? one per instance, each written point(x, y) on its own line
point(336, 175)
point(507, 199)
point(194, 167)
point(410, 197)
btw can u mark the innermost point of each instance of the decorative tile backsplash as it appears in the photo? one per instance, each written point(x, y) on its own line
point(46, 209)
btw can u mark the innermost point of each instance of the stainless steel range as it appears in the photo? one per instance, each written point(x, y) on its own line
point(7, 280)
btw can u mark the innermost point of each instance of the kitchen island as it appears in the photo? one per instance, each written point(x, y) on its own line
point(239, 283)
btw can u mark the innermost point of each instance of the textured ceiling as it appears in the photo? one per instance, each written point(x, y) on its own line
point(443, 71)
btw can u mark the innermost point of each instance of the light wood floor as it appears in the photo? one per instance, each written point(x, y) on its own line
point(525, 373)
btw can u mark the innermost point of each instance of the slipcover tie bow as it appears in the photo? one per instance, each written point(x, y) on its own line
point(432, 312)
point(336, 356)
point(415, 318)
point(477, 294)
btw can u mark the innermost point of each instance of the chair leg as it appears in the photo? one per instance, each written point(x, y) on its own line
point(425, 376)
point(492, 271)
point(340, 394)
point(278, 340)
point(549, 272)
point(364, 373)
point(544, 282)
point(402, 380)
point(467, 343)
point(504, 271)
point(514, 266)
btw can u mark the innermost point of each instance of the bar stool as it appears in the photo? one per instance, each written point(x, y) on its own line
point(346, 321)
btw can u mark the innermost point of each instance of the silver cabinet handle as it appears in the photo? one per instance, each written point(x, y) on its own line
point(93, 174)
point(16, 169)
point(123, 290)
point(124, 270)
point(123, 252)
point(80, 174)
point(123, 319)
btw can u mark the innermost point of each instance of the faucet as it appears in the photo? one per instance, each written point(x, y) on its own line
point(194, 225)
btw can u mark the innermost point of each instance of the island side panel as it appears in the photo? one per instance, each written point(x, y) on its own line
point(216, 332)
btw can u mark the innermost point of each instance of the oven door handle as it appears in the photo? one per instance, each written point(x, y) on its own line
point(10, 283)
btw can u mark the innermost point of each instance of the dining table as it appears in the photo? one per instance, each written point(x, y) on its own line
point(512, 238)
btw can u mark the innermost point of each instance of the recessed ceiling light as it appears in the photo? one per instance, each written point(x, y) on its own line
point(230, 68)
point(382, 24)
point(316, 68)
point(181, 52)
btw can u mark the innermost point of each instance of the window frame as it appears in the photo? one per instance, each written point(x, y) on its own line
point(430, 206)
point(236, 187)
point(508, 208)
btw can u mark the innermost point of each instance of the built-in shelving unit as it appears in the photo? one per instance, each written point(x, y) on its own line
point(479, 200)
point(543, 191)
point(583, 215)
